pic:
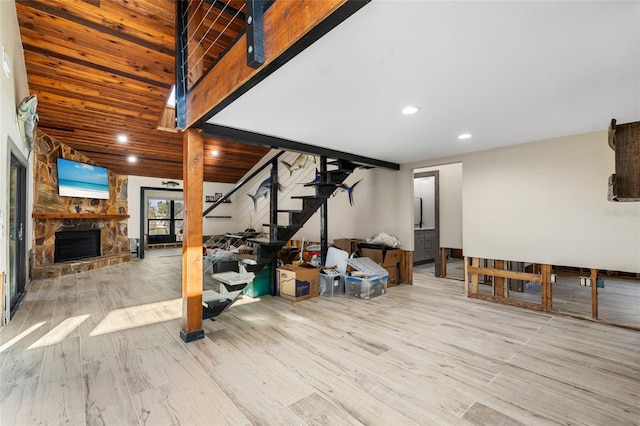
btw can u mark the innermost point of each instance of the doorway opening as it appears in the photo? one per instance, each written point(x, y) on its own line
point(17, 233)
point(161, 216)
point(426, 226)
point(438, 224)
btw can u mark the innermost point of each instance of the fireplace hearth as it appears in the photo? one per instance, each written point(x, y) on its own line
point(73, 245)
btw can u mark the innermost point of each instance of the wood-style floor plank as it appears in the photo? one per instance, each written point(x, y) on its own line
point(107, 398)
point(17, 402)
point(103, 347)
point(59, 393)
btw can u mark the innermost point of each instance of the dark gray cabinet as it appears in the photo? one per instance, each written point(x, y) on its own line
point(426, 246)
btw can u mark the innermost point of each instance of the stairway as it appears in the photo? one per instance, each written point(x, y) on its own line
point(266, 250)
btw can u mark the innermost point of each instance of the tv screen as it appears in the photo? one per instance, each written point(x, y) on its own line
point(82, 180)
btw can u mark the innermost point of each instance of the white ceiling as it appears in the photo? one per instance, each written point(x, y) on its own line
point(507, 72)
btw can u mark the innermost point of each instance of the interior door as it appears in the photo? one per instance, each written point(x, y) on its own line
point(17, 231)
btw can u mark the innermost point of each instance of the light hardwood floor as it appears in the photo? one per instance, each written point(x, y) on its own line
point(102, 348)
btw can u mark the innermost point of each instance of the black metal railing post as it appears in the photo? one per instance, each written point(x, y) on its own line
point(324, 213)
point(181, 63)
point(273, 219)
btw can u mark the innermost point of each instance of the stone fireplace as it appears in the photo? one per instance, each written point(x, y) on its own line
point(56, 218)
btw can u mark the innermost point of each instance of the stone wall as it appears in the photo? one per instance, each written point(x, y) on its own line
point(46, 198)
point(114, 239)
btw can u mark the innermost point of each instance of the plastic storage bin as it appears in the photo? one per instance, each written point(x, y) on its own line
point(367, 266)
point(331, 285)
point(365, 288)
point(372, 285)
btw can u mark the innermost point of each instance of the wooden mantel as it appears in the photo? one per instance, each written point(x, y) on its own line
point(78, 216)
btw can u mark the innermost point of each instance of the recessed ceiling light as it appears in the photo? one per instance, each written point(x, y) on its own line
point(465, 136)
point(122, 138)
point(132, 159)
point(215, 152)
point(408, 110)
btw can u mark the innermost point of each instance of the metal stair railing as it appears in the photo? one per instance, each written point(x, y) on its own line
point(242, 182)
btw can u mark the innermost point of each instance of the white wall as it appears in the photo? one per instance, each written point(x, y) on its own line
point(540, 202)
point(546, 202)
point(372, 205)
point(450, 193)
point(12, 89)
point(210, 226)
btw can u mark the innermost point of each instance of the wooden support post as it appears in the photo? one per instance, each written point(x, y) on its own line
point(545, 272)
point(466, 276)
point(483, 278)
point(192, 242)
point(406, 267)
point(443, 262)
point(594, 293)
point(475, 262)
point(550, 288)
point(498, 282)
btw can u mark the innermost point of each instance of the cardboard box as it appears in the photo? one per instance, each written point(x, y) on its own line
point(386, 258)
point(393, 279)
point(347, 244)
point(298, 282)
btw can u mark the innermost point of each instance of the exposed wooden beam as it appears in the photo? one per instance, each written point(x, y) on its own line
point(231, 77)
point(192, 237)
point(474, 269)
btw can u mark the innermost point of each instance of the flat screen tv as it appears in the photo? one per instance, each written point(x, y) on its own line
point(82, 180)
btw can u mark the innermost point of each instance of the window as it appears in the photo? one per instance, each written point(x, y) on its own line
point(164, 220)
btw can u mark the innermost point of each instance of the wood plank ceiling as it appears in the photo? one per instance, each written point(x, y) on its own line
point(101, 68)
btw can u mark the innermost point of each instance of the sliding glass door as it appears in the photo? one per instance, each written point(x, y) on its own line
point(17, 233)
